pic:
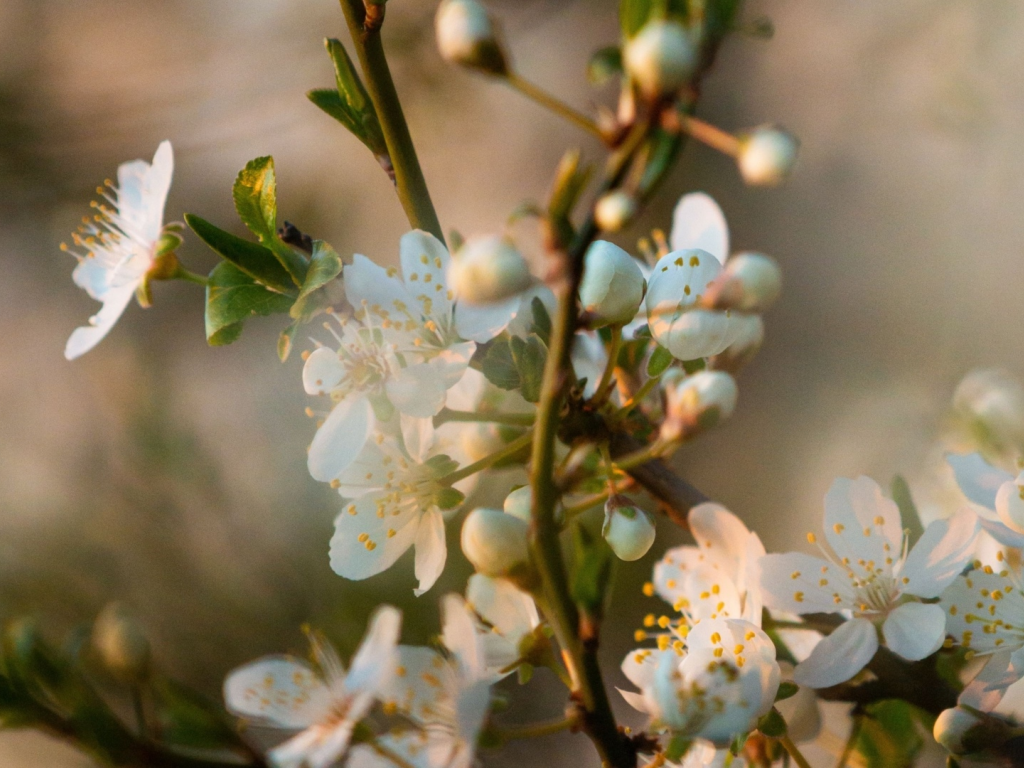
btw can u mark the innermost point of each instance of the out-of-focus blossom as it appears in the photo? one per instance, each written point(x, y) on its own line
point(660, 58)
point(997, 495)
point(120, 246)
point(325, 704)
point(869, 573)
point(509, 616)
point(612, 287)
point(767, 155)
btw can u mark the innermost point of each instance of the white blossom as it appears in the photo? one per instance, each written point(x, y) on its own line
point(407, 344)
point(508, 616)
point(395, 501)
point(628, 529)
point(612, 287)
point(495, 542)
point(117, 249)
point(660, 58)
point(766, 156)
point(323, 704)
point(870, 576)
point(465, 35)
point(446, 699)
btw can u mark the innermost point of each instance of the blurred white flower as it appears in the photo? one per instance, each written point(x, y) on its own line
point(613, 285)
point(466, 36)
point(996, 494)
point(767, 155)
point(660, 58)
point(325, 704)
point(117, 249)
point(407, 344)
point(869, 573)
point(696, 402)
point(495, 542)
point(395, 502)
point(488, 273)
point(446, 699)
point(991, 405)
point(509, 614)
point(985, 614)
point(713, 685)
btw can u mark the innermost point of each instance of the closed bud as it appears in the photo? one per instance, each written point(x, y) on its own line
point(480, 439)
point(487, 270)
point(767, 155)
point(628, 529)
point(120, 644)
point(495, 543)
point(661, 58)
point(614, 210)
point(751, 282)
point(963, 732)
point(466, 36)
point(612, 287)
point(695, 403)
point(519, 503)
point(749, 338)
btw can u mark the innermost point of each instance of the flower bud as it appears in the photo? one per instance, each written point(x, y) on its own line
point(752, 282)
point(962, 732)
point(614, 211)
point(487, 270)
point(661, 58)
point(695, 403)
point(480, 439)
point(748, 342)
point(465, 35)
point(612, 287)
point(628, 529)
point(990, 404)
point(767, 155)
point(519, 503)
point(120, 644)
point(495, 543)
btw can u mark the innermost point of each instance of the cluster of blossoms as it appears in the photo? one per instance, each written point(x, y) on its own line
point(453, 364)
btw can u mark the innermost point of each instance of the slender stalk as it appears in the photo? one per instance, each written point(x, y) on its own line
point(794, 752)
point(409, 181)
point(605, 385)
point(706, 133)
point(488, 461)
point(509, 419)
point(641, 393)
point(183, 274)
point(642, 456)
point(851, 742)
point(556, 105)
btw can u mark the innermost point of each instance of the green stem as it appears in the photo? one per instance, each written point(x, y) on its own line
point(183, 274)
point(642, 456)
point(540, 96)
point(409, 181)
point(488, 461)
point(794, 752)
point(641, 393)
point(605, 385)
point(535, 729)
point(508, 419)
point(851, 742)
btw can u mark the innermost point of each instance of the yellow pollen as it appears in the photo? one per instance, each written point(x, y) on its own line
point(811, 538)
point(798, 596)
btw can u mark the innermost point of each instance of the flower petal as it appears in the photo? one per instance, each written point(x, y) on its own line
point(862, 525)
point(82, 339)
point(987, 688)
point(1001, 533)
point(379, 290)
point(424, 265)
point(509, 610)
point(940, 554)
point(363, 544)
point(276, 690)
point(431, 551)
point(482, 322)
point(417, 390)
point(458, 632)
point(839, 656)
point(978, 480)
point(698, 222)
point(374, 662)
point(641, 665)
point(804, 584)
point(340, 438)
point(322, 371)
point(915, 630)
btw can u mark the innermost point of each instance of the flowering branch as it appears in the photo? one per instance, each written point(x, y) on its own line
point(409, 181)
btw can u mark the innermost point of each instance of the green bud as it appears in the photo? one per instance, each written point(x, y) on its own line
point(120, 644)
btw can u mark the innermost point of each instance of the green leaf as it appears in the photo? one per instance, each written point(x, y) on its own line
point(529, 355)
point(231, 298)
point(541, 320)
point(659, 157)
point(659, 361)
point(677, 748)
point(633, 14)
point(605, 64)
point(692, 366)
point(570, 179)
point(909, 516)
point(525, 673)
point(787, 690)
point(255, 195)
point(890, 735)
point(773, 724)
point(349, 103)
point(324, 265)
point(499, 367)
point(253, 259)
point(188, 719)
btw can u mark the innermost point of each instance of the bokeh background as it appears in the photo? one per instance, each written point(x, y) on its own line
point(169, 475)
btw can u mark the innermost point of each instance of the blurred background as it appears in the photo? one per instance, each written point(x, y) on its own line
point(171, 476)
